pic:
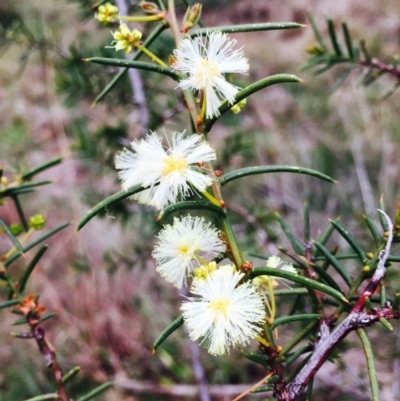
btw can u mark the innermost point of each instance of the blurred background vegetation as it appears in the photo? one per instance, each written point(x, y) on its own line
point(101, 282)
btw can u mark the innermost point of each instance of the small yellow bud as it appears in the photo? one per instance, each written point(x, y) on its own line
point(107, 14)
point(279, 349)
point(37, 222)
point(314, 49)
point(16, 228)
point(369, 255)
point(237, 108)
point(366, 269)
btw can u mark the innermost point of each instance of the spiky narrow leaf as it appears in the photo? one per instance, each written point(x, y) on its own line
point(350, 240)
point(333, 36)
point(266, 271)
point(103, 205)
point(167, 332)
point(296, 244)
point(9, 191)
point(29, 269)
point(369, 356)
point(373, 230)
point(249, 90)
point(36, 170)
point(316, 32)
point(11, 236)
point(243, 172)
point(335, 263)
point(95, 392)
point(347, 38)
point(37, 241)
point(295, 318)
point(71, 374)
point(139, 65)
point(192, 205)
point(268, 26)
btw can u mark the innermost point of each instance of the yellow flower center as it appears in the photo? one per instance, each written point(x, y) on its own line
point(172, 163)
point(206, 72)
point(183, 249)
point(220, 306)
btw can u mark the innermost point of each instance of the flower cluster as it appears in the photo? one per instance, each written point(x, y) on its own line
point(125, 39)
point(107, 13)
point(223, 311)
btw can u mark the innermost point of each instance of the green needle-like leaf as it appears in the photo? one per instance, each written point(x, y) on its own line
point(167, 332)
point(374, 231)
point(349, 42)
point(29, 269)
point(47, 317)
point(11, 236)
point(302, 350)
point(350, 239)
point(28, 185)
point(249, 90)
point(103, 205)
point(369, 356)
point(44, 397)
point(326, 277)
point(332, 35)
point(306, 222)
point(296, 244)
point(71, 374)
point(139, 65)
point(11, 302)
point(256, 357)
point(37, 241)
point(95, 392)
point(382, 219)
point(36, 170)
point(317, 33)
point(192, 205)
point(334, 262)
point(295, 318)
point(266, 271)
point(268, 26)
point(243, 172)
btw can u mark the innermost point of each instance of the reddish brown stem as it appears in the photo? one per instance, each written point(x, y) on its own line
point(48, 351)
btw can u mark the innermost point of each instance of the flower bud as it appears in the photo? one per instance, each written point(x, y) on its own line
point(149, 8)
point(191, 17)
point(37, 222)
point(16, 228)
point(107, 14)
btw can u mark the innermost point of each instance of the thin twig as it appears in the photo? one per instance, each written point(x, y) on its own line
point(356, 319)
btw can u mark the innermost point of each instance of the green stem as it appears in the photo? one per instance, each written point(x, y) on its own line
point(230, 236)
point(152, 56)
point(142, 18)
point(173, 22)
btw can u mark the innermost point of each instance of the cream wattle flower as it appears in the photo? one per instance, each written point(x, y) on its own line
point(223, 314)
point(167, 173)
point(183, 246)
point(205, 60)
